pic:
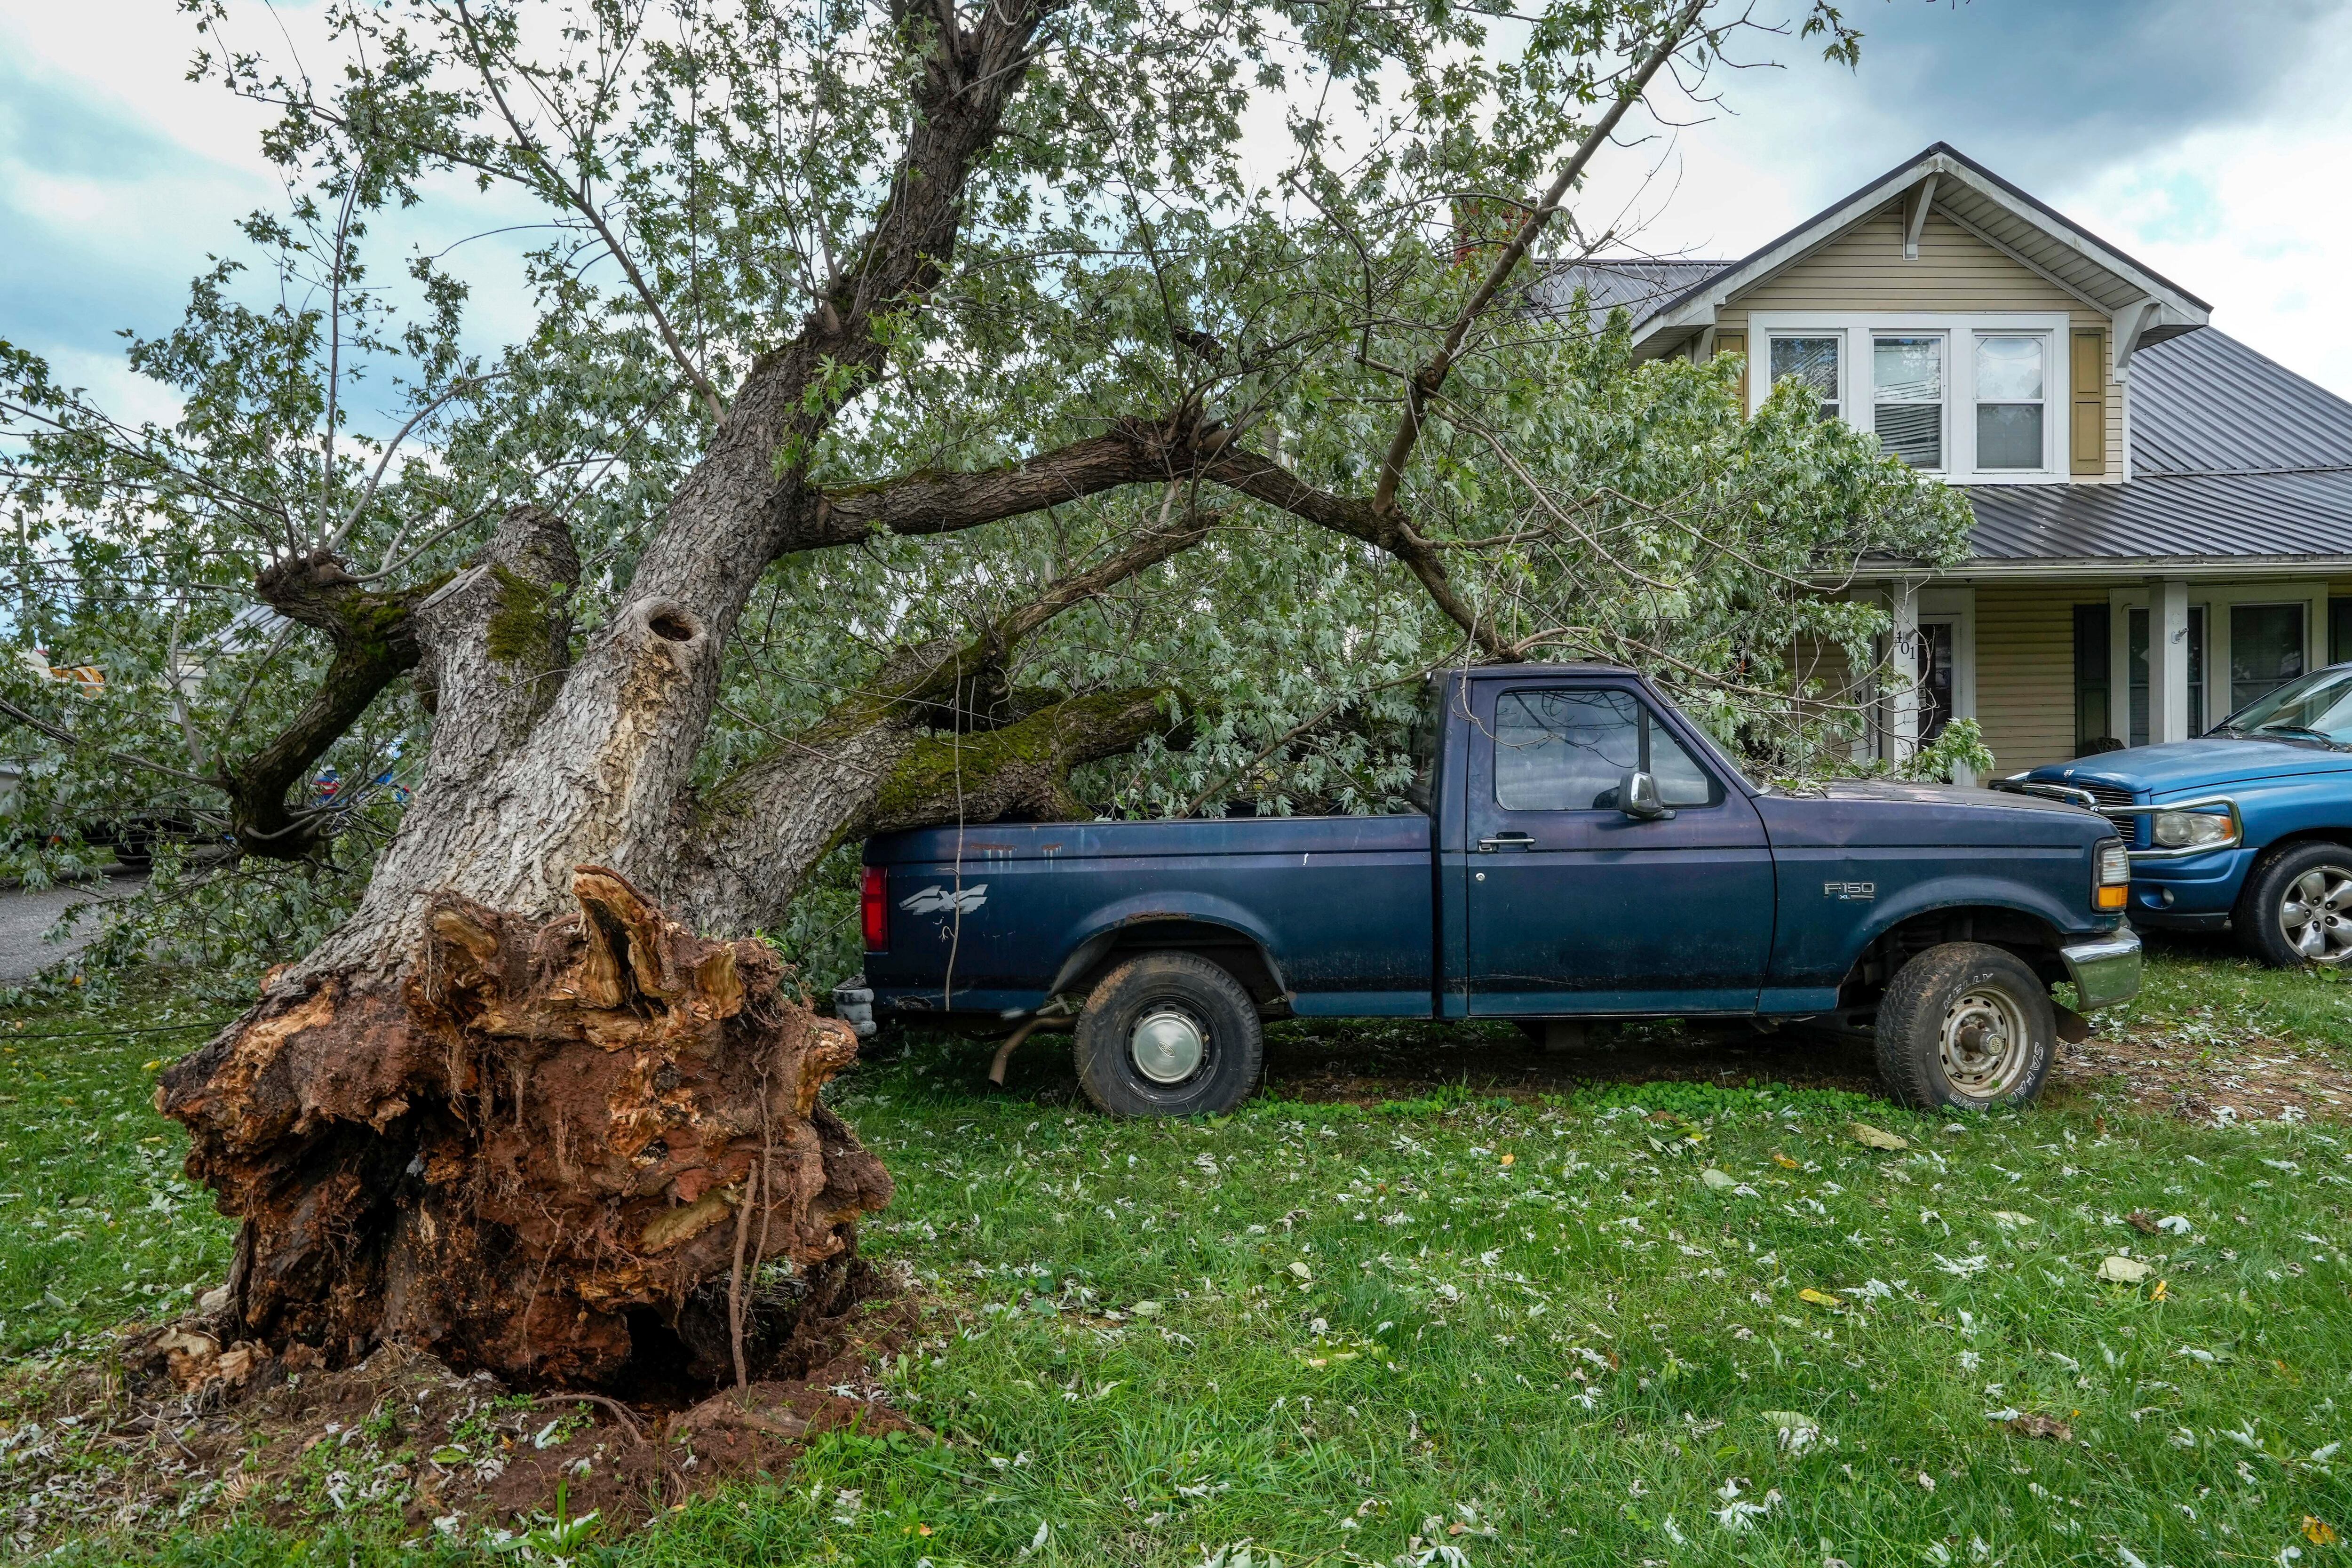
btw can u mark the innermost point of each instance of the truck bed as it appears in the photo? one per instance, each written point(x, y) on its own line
point(1341, 905)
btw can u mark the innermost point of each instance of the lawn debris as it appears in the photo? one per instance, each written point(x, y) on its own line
point(2031, 1424)
point(1871, 1137)
point(2143, 1222)
point(2124, 1270)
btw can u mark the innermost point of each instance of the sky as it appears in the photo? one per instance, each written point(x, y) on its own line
point(2207, 138)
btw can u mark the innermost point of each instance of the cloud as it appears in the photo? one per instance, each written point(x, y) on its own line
point(118, 178)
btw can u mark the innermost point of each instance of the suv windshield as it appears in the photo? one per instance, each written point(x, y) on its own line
point(2317, 707)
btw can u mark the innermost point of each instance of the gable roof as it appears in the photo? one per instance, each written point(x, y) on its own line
point(1960, 189)
point(2235, 459)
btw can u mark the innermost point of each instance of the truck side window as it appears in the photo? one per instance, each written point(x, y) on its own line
point(1566, 750)
point(1428, 727)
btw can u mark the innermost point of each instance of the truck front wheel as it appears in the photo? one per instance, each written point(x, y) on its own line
point(1965, 1027)
point(1167, 1034)
point(2296, 910)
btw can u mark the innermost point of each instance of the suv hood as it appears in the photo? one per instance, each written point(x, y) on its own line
point(2201, 764)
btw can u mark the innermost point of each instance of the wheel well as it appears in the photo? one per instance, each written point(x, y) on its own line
point(1235, 952)
point(2301, 837)
point(2029, 937)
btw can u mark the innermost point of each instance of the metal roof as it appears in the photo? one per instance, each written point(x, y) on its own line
point(2234, 457)
point(1643, 288)
point(2205, 403)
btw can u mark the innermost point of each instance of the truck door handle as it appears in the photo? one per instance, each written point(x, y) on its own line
point(1507, 841)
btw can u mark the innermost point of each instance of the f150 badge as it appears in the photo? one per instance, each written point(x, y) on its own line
point(941, 900)
point(1854, 892)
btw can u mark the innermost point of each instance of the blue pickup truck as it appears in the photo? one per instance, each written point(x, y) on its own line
point(1584, 852)
point(2247, 827)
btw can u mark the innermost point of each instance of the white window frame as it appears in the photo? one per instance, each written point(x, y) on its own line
point(2219, 599)
point(1944, 433)
point(1959, 329)
point(1844, 366)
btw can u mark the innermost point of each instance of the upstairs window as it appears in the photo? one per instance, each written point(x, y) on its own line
point(2009, 410)
point(1907, 397)
point(1814, 362)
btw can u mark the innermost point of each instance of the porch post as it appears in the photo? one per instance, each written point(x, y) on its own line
point(1903, 673)
point(2169, 718)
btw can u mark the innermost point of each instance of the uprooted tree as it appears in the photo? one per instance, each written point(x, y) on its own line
point(977, 348)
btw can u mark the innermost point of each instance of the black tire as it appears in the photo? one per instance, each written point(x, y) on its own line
point(1161, 986)
point(2262, 917)
point(2002, 1030)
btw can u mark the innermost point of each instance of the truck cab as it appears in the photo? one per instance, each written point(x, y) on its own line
point(1583, 851)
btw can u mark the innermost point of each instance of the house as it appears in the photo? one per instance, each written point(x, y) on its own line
point(2163, 516)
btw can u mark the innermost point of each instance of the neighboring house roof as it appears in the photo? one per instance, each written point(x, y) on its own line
point(1963, 191)
point(2234, 459)
point(1644, 287)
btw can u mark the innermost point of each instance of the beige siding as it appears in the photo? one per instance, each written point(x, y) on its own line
point(1865, 269)
point(2025, 669)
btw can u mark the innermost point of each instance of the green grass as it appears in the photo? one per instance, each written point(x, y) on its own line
point(1312, 1328)
point(97, 1225)
point(2195, 986)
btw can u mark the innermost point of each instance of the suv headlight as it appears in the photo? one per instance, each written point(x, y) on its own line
point(2111, 879)
point(2192, 830)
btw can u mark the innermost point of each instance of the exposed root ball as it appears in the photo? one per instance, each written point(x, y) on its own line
point(559, 1150)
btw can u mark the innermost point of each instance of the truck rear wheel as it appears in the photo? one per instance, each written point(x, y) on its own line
point(1169, 1034)
point(2296, 910)
point(1965, 1027)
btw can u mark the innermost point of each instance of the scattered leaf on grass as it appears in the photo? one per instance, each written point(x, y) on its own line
point(2141, 1221)
point(2124, 1270)
point(1146, 1309)
point(1302, 1271)
point(1784, 1161)
point(2032, 1425)
point(2317, 1531)
point(1819, 1298)
point(1719, 1179)
point(1871, 1137)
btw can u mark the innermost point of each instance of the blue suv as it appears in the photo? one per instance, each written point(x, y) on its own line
point(2248, 828)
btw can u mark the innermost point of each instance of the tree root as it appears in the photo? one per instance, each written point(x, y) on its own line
point(522, 1155)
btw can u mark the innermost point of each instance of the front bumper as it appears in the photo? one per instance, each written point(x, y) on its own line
point(2104, 971)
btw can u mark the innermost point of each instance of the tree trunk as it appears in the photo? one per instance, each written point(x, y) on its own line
point(560, 1150)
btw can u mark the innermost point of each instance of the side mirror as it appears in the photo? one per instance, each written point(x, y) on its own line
point(1637, 797)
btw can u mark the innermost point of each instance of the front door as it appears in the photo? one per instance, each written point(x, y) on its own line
point(1576, 907)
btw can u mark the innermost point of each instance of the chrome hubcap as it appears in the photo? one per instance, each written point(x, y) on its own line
point(2316, 914)
point(1167, 1046)
point(1984, 1044)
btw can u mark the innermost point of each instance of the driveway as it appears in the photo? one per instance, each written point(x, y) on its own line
point(24, 916)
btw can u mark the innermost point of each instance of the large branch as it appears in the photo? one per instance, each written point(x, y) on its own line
point(937, 726)
point(374, 639)
point(1425, 382)
point(1137, 451)
point(1134, 451)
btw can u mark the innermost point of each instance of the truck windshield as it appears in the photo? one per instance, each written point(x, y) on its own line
point(2317, 707)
